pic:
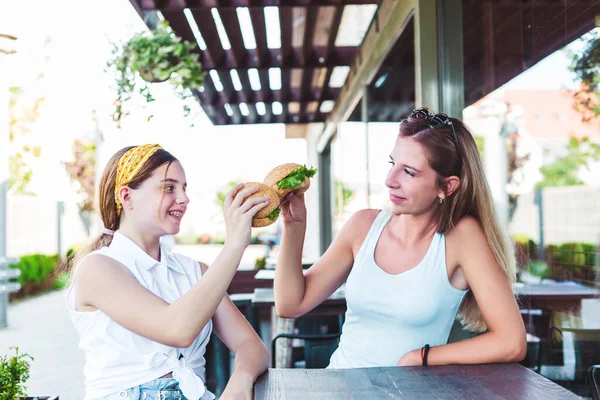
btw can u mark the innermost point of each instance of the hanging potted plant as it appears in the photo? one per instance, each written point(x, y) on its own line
point(155, 56)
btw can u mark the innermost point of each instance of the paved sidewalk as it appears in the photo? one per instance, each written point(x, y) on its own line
point(42, 328)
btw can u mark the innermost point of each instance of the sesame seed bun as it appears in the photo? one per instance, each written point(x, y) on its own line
point(264, 190)
point(262, 222)
point(280, 172)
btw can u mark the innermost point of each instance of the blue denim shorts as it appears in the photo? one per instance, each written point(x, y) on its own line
point(158, 389)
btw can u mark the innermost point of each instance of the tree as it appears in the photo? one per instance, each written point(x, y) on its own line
point(586, 66)
point(83, 171)
point(564, 171)
point(24, 110)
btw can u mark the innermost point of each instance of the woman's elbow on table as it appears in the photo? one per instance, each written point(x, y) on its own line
point(516, 349)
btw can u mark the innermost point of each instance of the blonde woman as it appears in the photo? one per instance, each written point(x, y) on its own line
point(437, 253)
point(145, 315)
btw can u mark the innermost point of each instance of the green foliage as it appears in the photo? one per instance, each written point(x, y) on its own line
point(539, 268)
point(589, 251)
point(585, 65)
point(564, 171)
point(20, 175)
point(260, 263)
point(155, 56)
point(572, 254)
point(479, 140)
point(14, 372)
point(35, 268)
point(296, 178)
point(218, 240)
point(343, 196)
point(520, 238)
point(61, 281)
point(221, 194)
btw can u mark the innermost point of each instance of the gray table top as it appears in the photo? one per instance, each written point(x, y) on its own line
point(266, 297)
point(555, 289)
point(489, 381)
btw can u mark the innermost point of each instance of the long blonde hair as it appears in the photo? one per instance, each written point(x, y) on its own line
point(451, 155)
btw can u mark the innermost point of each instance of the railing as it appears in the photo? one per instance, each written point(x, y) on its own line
point(6, 287)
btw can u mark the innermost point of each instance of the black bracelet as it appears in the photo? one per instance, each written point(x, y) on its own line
point(425, 355)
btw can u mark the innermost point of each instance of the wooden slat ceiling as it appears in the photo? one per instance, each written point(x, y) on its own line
point(305, 60)
point(502, 39)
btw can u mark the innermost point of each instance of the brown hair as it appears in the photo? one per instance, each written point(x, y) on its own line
point(106, 198)
point(450, 155)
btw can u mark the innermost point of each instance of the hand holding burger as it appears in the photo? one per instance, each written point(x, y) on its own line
point(277, 184)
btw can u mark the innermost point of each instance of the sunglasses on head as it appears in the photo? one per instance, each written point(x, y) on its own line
point(435, 121)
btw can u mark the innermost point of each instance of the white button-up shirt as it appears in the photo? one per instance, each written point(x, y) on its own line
point(117, 358)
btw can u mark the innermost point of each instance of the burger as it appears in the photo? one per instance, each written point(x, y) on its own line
point(289, 178)
point(277, 184)
point(269, 214)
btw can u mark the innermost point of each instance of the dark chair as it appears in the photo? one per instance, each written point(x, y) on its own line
point(578, 356)
point(318, 348)
point(594, 375)
point(533, 358)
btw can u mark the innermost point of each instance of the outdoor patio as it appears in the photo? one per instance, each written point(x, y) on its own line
point(330, 79)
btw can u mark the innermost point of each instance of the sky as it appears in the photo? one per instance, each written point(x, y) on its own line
point(75, 83)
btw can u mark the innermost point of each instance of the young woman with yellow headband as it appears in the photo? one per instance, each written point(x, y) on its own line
point(145, 315)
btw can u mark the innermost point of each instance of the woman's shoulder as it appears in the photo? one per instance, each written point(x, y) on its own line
point(97, 264)
point(466, 231)
point(364, 217)
point(359, 224)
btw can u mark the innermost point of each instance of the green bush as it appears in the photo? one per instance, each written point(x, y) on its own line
point(539, 268)
point(14, 372)
point(590, 254)
point(62, 280)
point(35, 268)
point(571, 254)
point(217, 240)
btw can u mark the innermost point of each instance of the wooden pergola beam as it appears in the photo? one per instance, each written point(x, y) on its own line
point(388, 23)
point(175, 5)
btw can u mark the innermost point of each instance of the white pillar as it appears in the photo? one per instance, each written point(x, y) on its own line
point(495, 157)
point(6, 48)
point(4, 164)
point(312, 240)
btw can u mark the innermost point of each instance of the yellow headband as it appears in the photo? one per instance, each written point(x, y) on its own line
point(129, 165)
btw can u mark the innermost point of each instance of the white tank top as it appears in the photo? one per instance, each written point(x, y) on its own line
point(117, 358)
point(389, 315)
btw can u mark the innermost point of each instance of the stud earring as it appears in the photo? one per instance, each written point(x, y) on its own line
point(440, 200)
